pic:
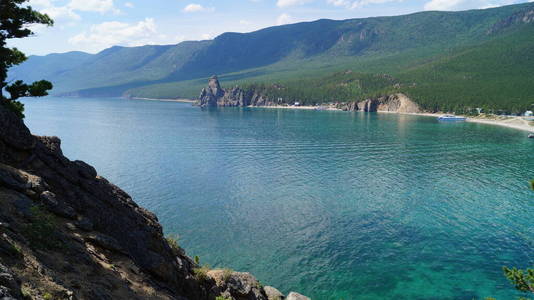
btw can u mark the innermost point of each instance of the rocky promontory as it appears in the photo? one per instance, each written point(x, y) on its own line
point(68, 233)
point(215, 96)
point(398, 103)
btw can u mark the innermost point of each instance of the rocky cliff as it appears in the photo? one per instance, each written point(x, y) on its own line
point(68, 233)
point(398, 103)
point(215, 96)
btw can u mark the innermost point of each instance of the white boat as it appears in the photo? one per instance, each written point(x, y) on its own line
point(531, 136)
point(451, 118)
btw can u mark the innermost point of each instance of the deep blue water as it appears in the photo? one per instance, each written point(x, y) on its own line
point(335, 205)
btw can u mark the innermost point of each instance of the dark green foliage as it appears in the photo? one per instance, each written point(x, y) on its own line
point(48, 296)
point(201, 273)
point(494, 75)
point(197, 259)
point(523, 280)
point(338, 87)
point(173, 243)
point(227, 274)
point(14, 21)
point(41, 232)
point(37, 89)
point(16, 106)
point(532, 184)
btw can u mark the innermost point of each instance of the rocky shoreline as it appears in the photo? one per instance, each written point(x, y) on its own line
point(216, 96)
point(68, 233)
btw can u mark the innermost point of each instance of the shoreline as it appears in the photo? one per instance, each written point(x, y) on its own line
point(163, 100)
point(510, 122)
point(517, 123)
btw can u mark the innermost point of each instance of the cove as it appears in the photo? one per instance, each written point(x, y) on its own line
point(333, 204)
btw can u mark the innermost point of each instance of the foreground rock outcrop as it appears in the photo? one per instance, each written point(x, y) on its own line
point(67, 233)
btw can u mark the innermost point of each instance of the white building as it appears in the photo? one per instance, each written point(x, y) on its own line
point(529, 113)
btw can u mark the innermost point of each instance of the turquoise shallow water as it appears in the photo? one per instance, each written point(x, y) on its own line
point(335, 205)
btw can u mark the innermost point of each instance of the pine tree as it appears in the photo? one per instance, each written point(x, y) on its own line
point(15, 17)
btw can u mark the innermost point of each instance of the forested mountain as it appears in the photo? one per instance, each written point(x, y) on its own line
point(441, 59)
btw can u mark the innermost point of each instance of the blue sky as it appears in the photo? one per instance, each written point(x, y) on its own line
point(93, 25)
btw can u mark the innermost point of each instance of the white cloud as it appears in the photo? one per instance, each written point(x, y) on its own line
point(466, 4)
point(42, 3)
point(61, 12)
point(114, 33)
point(352, 4)
point(193, 7)
point(70, 9)
point(100, 6)
point(442, 4)
point(284, 19)
point(288, 3)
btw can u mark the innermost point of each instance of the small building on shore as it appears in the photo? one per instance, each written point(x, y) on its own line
point(529, 113)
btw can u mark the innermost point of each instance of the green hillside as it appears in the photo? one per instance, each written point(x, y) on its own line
point(52, 65)
point(444, 60)
point(497, 75)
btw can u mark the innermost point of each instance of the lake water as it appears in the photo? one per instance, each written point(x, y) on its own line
point(335, 205)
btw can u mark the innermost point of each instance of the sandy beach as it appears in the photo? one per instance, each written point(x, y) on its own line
point(511, 122)
point(519, 123)
point(506, 121)
point(299, 107)
point(164, 100)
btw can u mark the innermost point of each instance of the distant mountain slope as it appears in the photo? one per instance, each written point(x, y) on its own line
point(52, 65)
point(398, 45)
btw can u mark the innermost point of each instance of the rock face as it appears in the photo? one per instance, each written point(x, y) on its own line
point(273, 294)
point(525, 16)
point(241, 286)
point(215, 96)
point(67, 233)
point(296, 296)
point(398, 103)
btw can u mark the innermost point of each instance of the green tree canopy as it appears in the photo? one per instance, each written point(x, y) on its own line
point(15, 19)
